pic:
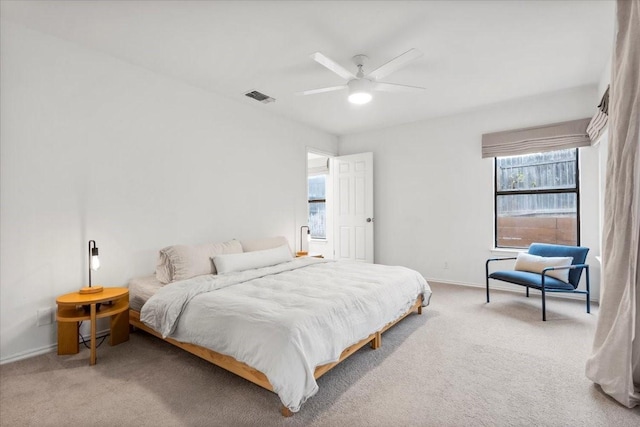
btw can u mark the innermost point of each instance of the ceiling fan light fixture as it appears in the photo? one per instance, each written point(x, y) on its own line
point(360, 98)
point(360, 91)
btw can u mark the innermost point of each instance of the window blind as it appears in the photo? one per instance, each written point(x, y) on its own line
point(556, 136)
point(318, 166)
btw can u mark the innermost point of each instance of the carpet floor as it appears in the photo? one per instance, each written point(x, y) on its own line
point(461, 363)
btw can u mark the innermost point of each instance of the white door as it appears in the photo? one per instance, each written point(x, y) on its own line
point(353, 208)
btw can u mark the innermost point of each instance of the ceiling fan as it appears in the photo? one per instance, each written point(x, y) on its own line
point(361, 85)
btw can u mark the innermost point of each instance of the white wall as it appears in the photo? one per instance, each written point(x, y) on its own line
point(95, 148)
point(434, 192)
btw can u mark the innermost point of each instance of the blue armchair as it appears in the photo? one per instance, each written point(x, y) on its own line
point(542, 281)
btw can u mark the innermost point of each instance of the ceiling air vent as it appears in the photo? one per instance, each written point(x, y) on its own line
point(258, 96)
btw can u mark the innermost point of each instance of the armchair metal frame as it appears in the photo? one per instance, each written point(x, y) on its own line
point(542, 288)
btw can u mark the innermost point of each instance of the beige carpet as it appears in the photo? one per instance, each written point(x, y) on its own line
point(462, 363)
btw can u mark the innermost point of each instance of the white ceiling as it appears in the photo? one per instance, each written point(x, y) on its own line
point(475, 52)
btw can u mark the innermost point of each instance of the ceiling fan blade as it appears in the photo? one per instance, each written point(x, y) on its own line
point(395, 64)
point(321, 90)
point(393, 87)
point(333, 66)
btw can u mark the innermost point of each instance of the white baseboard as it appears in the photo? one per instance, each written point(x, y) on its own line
point(513, 288)
point(28, 354)
point(47, 348)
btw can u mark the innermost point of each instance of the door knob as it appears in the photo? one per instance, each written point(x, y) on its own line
point(369, 219)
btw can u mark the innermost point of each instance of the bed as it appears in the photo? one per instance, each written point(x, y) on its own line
point(277, 321)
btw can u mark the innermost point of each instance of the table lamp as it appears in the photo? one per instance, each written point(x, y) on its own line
point(302, 252)
point(94, 264)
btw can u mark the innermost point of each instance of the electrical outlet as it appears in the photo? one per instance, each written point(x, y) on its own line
point(44, 316)
point(446, 265)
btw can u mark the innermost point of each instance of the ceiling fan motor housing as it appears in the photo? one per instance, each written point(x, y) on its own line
point(360, 60)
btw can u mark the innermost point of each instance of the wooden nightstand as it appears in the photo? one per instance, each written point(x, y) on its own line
point(114, 303)
point(310, 254)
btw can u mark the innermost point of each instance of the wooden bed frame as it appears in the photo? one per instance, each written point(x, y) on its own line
point(247, 372)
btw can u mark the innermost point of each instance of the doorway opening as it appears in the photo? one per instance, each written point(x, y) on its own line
point(319, 204)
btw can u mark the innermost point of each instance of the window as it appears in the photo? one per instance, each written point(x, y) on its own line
point(537, 199)
point(318, 206)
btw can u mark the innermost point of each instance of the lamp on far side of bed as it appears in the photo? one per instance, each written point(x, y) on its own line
point(94, 264)
point(302, 252)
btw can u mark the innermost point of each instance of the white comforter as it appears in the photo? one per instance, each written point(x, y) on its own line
point(287, 319)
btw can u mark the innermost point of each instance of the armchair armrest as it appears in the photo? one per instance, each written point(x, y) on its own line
point(566, 267)
point(497, 259)
point(569, 267)
point(501, 258)
point(486, 265)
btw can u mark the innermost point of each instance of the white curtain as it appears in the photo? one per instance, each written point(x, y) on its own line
point(615, 361)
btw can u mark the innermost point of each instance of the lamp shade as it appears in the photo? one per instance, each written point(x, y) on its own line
point(95, 260)
point(360, 91)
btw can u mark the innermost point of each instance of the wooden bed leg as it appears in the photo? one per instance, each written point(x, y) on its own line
point(420, 309)
point(286, 412)
point(377, 341)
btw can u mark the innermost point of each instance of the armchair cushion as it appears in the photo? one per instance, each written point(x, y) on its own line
point(535, 264)
point(534, 280)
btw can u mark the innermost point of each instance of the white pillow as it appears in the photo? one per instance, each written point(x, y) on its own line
point(180, 262)
point(248, 260)
point(535, 264)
